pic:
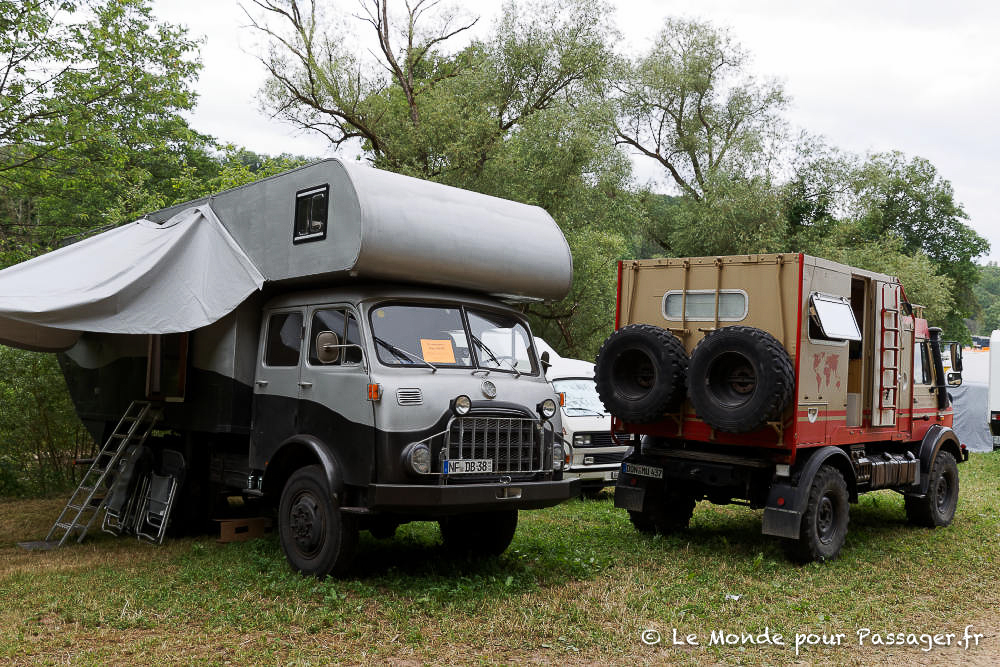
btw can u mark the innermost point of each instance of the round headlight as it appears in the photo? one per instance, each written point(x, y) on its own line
point(417, 458)
point(462, 405)
point(547, 408)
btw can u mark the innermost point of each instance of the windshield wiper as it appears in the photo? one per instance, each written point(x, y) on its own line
point(494, 357)
point(403, 354)
point(587, 410)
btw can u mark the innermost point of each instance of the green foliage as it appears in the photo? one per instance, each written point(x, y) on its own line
point(987, 292)
point(40, 434)
point(521, 114)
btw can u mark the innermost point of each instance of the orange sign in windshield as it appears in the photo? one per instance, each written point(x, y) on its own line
point(437, 351)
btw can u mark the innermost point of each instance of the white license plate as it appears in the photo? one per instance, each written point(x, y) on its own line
point(611, 476)
point(643, 471)
point(460, 466)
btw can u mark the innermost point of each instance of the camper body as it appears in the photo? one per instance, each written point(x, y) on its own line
point(787, 382)
point(378, 377)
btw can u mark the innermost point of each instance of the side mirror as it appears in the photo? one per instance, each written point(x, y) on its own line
point(327, 347)
point(546, 364)
point(956, 356)
point(954, 379)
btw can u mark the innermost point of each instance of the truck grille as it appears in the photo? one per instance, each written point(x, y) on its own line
point(514, 444)
point(409, 397)
point(612, 457)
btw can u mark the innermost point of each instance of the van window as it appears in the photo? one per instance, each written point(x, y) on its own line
point(699, 305)
point(312, 208)
point(284, 338)
point(345, 326)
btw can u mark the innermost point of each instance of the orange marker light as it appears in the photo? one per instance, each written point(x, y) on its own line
point(374, 392)
point(562, 398)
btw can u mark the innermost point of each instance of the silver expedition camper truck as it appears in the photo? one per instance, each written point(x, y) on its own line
point(334, 340)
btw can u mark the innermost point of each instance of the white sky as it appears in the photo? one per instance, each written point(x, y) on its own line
point(918, 76)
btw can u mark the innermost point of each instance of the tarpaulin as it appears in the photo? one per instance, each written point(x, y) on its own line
point(141, 278)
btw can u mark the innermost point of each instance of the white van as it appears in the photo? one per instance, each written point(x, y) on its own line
point(591, 453)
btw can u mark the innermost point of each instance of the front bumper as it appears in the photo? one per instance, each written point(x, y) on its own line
point(443, 500)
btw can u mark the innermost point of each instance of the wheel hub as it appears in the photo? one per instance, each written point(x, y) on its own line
point(941, 493)
point(825, 518)
point(306, 523)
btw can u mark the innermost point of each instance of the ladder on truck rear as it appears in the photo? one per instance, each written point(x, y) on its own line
point(88, 499)
point(889, 348)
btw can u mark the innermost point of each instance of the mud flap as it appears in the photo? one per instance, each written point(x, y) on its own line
point(783, 512)
point(638, 493)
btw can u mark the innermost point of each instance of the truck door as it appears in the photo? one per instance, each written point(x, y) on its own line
point(888, 344)
point(333, 389)
point(276, 385)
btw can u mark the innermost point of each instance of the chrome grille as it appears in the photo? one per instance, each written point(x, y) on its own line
point(409, 397)
point(514, 444)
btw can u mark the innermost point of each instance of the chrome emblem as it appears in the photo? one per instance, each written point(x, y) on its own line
point(489, 389)
point(812, 413)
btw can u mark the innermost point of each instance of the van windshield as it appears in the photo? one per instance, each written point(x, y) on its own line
point(581, 397)
point(408, 335)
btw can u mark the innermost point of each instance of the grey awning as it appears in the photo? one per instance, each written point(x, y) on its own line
point(142, 278)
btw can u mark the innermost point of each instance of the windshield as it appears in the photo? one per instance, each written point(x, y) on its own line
point(408, 335)
point(581, 397)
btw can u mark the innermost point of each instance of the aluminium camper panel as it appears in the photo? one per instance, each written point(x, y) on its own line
point(385, 226)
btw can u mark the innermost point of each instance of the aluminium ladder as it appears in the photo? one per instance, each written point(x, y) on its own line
point(85, 504)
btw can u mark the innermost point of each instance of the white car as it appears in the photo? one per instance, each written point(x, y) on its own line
point(590, 451)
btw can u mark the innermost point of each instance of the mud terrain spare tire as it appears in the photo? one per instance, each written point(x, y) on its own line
point(740, 378)
point(641, 373)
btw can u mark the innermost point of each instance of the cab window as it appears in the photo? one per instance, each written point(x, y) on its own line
point(284, 339)
point(342, 323)
point(921, 364)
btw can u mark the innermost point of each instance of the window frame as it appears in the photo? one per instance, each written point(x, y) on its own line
point(267, 337)
point(810, 323)
point(349, 312)
point(686, 317)
point(310, 192)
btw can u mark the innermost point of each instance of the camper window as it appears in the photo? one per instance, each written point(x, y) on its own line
point(311, 212)
point(699, 305)
point(831, 318)
point(345, 326)
point(284, 338)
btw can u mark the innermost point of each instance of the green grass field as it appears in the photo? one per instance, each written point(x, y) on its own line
point(577, 585)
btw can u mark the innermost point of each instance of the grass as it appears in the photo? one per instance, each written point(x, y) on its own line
point(577, 585)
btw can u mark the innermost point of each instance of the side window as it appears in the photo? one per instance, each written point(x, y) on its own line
point(284, 338)
point(831, 318)
point(921, 364)
point(312, 208)
point(343, 324)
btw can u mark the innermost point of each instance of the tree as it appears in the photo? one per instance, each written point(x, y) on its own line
point(90, 124)
point(522, 114)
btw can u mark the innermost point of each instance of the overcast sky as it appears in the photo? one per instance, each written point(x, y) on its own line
point(917, 76)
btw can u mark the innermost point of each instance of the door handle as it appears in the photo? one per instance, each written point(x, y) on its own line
point(261, 383)
point(305, 385)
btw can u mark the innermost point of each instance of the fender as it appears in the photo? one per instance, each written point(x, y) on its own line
point(786, 502)
point(937, 438)
point(296, 452)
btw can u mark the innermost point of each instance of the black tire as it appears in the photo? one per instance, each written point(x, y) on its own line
point(479, 534)
point(316, 537)
point(643, 522)
point(641, 373)
point(740, 378)
point(824, 523)
point(938, 507)
point(591, 492)
point(674, 514)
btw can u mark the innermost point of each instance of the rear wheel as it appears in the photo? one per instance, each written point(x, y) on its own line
point(480, 533)
point(937, 508)
point(824, 524)
point(671, 515)
point(316, 537)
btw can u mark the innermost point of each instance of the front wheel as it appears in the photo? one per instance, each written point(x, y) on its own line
point(824, 524)
point(937, 508)
point(480, 533)
point(316, 537)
